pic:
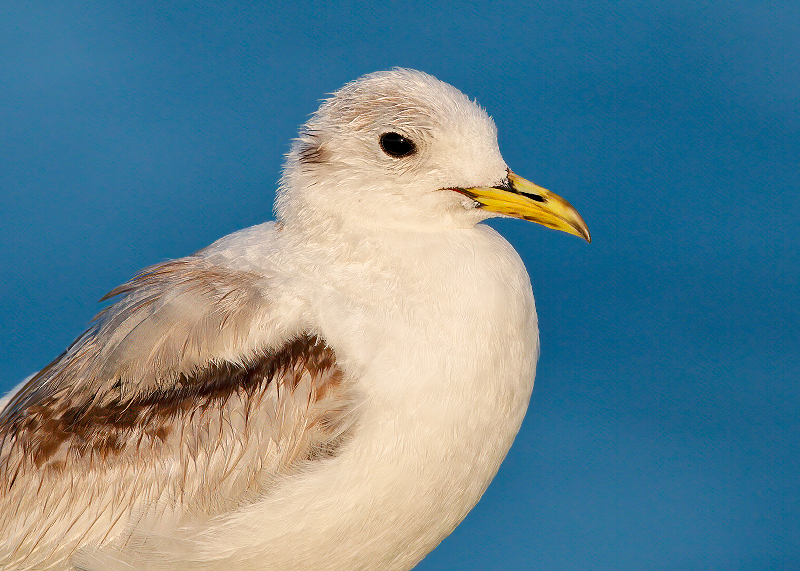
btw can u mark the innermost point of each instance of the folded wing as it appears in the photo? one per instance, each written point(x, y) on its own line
point(187, 398)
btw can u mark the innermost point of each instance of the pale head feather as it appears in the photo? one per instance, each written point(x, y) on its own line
point(337, 175)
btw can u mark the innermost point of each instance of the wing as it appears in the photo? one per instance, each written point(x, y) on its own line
point(185, 399)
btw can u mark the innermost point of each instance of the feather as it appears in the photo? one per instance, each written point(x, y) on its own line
point(152, 413)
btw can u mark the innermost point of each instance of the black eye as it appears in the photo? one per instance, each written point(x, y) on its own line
point(396, 145)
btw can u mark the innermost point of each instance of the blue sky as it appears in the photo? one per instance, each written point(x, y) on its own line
point(663, 431)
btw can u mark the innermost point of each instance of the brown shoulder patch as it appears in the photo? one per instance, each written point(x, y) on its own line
point(204, 443)
point(53, 433)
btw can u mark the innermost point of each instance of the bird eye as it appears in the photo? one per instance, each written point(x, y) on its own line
point(396, 145)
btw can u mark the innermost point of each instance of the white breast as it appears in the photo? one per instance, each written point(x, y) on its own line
point(444, 354)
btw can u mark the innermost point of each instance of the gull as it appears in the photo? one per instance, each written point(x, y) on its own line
point(330, 391)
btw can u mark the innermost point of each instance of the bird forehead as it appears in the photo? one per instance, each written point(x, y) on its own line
point(403, 100)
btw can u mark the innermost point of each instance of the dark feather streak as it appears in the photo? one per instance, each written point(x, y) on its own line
point(102, 428)
point(311, 149)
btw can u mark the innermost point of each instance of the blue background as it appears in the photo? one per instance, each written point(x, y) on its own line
point(663, 431)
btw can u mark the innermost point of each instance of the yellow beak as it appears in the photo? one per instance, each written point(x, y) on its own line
point(521, 198)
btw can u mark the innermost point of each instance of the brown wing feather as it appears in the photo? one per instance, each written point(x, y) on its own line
point(116, 430)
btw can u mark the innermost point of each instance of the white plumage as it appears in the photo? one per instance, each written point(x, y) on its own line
point(332, 391)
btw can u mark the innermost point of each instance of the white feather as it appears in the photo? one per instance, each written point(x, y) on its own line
point(432, 322)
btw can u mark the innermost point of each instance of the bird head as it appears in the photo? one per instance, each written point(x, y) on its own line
point(401, 149)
